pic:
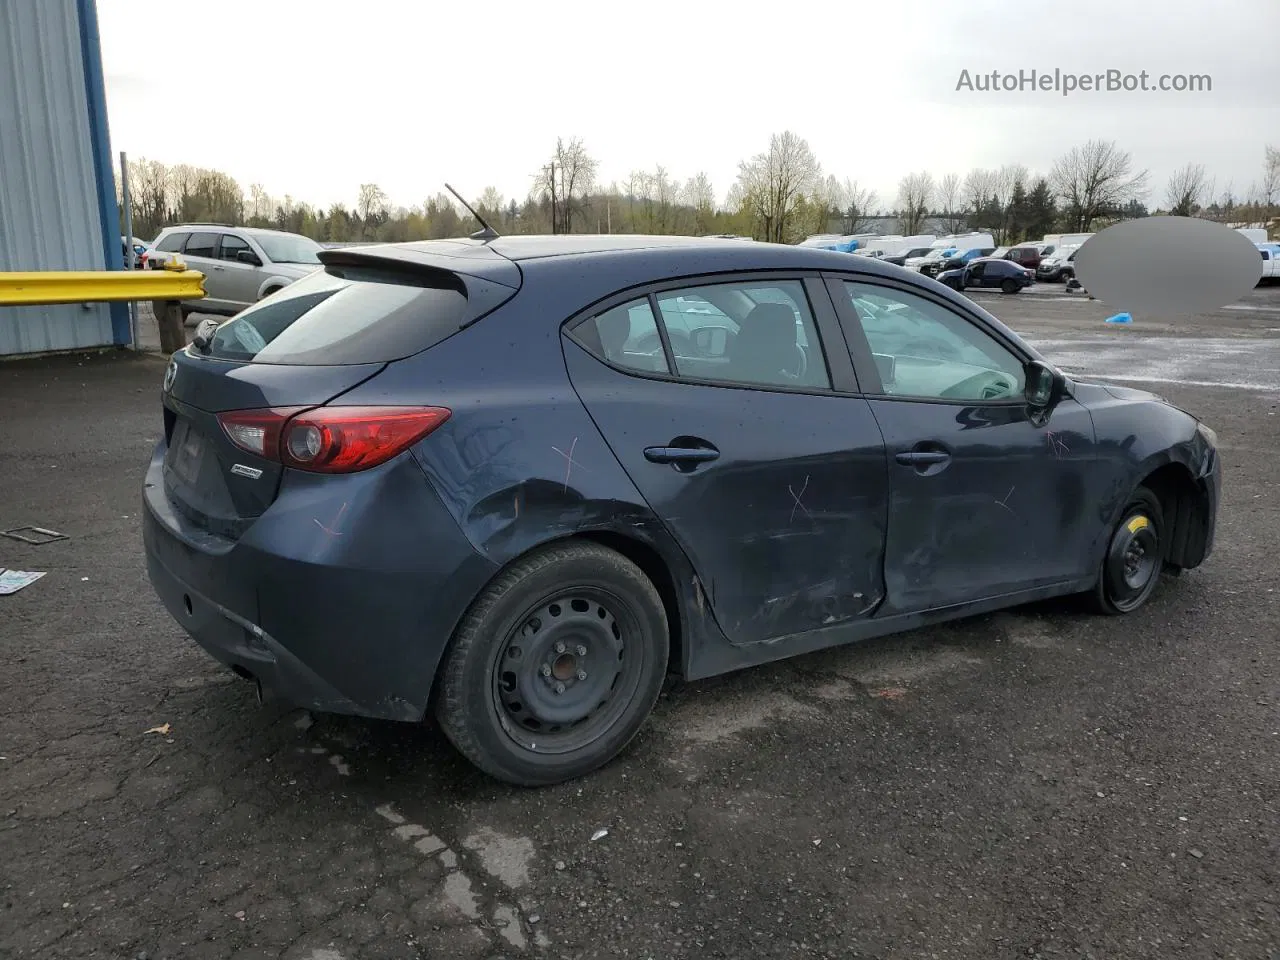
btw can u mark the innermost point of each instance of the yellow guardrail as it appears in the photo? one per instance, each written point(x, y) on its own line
point(99, 286)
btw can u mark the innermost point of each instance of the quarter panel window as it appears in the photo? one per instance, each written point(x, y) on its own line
point(927, 351)
point(627, 336)
point(171, 243)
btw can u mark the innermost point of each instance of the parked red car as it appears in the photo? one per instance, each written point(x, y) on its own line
point(1024, 255)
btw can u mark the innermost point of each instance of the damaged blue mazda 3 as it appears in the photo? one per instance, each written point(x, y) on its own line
point(513, 483)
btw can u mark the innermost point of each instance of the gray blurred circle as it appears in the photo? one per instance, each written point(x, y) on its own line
point(1171, 266)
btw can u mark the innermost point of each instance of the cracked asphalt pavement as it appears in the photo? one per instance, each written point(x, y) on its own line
point(1036, 783)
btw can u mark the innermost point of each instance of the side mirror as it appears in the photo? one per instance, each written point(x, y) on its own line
point(248, 256)
point(1045, 385)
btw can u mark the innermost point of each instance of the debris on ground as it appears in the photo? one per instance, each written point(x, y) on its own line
point(11, 581)
point(890, 693)
point(163, 729)
point(1119, 318)
point(42, 536)
point(599, 835)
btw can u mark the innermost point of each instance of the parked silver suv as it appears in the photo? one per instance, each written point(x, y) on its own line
point(241, 265)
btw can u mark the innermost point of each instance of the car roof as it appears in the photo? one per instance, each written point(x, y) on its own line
point(251, 231)
point(643, 256)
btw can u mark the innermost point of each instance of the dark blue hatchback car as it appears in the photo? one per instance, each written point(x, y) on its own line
point(516, 482)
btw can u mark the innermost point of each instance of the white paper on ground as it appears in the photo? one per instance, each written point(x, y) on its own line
point(11, 581)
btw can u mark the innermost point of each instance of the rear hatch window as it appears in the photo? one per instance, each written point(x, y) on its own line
point(343, 315)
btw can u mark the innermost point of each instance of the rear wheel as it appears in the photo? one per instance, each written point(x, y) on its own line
point(556, 666)
point(1134, 558)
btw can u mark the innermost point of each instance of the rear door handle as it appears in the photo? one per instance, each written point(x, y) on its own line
point(921, 458)
point(681, 454)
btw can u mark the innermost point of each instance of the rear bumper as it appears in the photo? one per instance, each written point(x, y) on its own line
point(341, 597)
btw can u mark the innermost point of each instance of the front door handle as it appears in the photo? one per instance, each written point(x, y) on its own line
point(690, 455)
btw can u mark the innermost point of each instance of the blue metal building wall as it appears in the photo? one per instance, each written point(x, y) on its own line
point(57, 189)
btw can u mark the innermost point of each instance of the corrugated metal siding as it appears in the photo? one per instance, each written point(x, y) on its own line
point(49, 211)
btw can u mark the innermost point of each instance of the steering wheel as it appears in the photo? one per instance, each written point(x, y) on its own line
point(981, 383)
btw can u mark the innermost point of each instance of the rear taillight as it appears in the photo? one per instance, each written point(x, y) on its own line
point(330, 439)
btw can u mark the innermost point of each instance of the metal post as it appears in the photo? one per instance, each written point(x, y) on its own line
point(128, 245)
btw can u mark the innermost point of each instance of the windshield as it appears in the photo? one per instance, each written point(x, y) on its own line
point(288, 248)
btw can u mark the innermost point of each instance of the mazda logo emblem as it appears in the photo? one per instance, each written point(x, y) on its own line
point(170, 375)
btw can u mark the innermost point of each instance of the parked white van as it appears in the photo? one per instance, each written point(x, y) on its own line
point(965, 241)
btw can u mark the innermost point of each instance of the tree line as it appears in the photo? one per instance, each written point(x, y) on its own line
point(781, 194)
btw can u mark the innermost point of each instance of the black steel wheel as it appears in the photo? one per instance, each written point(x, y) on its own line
point(1135, 557)
point(556, 666)
point(1010, 286)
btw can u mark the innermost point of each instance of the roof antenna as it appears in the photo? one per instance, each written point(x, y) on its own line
point(488, 233)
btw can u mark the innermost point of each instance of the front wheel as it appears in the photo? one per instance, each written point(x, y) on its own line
point(556, 665)
point(1134, 558)
point(1010, 286)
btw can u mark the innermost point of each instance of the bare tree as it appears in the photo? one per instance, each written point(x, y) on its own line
point(772, 186)
point(260, 202)
point(828, 203)
point(951, 202)
point(1006, 181)
point(979, 188)
point(149, 192)
point(565, 182)
point(701, 197)
point(1188, 189)
point(490, 204)
point(915, 194)
point(371, 201)
point(1096, 179)
point(859, 206)
point(1270, 188)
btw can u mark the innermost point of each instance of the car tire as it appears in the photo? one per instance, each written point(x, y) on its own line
point(267, 293)
point(1135, 557)
point(555, 666)
point(1009, 286)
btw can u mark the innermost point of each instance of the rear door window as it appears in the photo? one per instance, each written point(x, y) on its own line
point(201, 245)
point(760, 333)
point(342, 315)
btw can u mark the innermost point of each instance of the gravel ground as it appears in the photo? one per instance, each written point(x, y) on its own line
point(1038, 783)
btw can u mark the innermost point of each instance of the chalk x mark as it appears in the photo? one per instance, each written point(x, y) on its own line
point(334, 531)
point(799, 500)
point(570, 463)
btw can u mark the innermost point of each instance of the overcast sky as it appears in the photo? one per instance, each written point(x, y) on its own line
point(314, 97)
